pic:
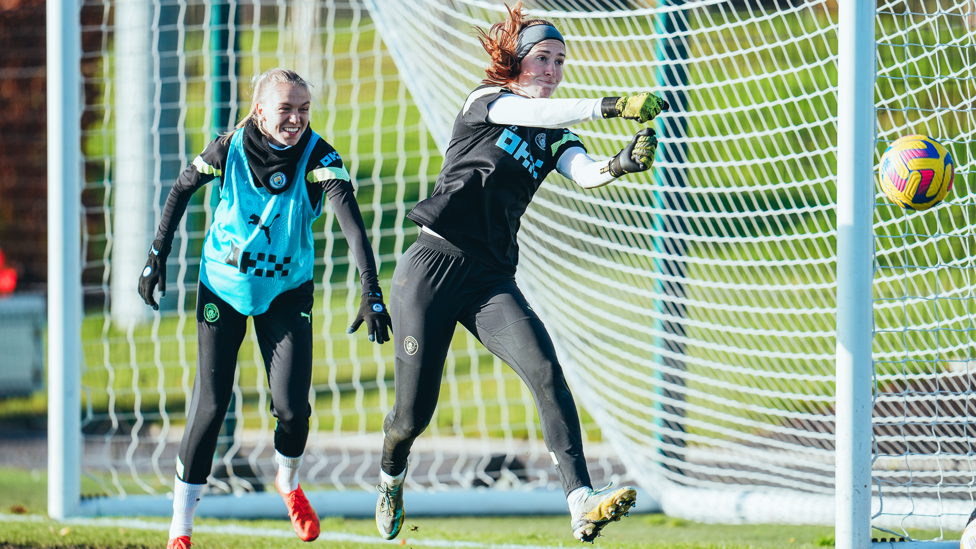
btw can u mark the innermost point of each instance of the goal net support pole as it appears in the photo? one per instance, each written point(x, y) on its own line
point(855, 207)
point(64, 258)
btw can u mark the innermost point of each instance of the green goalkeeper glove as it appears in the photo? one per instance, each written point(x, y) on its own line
point(641, 107)
point(637, 156)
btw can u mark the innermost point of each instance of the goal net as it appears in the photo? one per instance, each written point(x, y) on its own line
point(924, 411)
point(692, 306)
point(162, 79)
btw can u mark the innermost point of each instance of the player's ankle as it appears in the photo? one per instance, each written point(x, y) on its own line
point(576, 498)
point(287, 477)
point(391, 480)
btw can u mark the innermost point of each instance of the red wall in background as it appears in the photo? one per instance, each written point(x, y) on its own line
point(23, 130)
point(23, 147)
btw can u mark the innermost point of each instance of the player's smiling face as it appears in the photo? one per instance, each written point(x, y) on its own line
point(285, 114)
point(541, 70)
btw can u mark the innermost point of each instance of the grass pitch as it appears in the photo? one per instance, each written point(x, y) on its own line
point(24, 523)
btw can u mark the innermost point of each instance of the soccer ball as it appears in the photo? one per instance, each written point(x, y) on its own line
point(916, 172)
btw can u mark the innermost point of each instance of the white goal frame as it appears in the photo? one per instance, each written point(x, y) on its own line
point(856, 136)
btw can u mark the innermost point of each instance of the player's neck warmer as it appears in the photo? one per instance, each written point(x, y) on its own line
point(266, 161)
point(530, 36)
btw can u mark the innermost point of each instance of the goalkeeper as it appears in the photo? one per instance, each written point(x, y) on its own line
point(258, 261)
point(508, 136)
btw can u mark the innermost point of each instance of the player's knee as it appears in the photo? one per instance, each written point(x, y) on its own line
point(210, 413)
point(546, 374)
point(406, 431)
point(291, 417)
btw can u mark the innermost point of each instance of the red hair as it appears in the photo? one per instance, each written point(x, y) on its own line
point(500, 41)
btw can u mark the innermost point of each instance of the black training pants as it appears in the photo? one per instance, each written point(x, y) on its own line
point(436, 286)
point(284, 334)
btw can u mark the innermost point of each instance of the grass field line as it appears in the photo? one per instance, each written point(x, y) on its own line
point(139, 524)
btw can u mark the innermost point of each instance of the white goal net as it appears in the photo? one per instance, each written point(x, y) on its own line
point(161, 79)
point(693, 306)
point(924, 412)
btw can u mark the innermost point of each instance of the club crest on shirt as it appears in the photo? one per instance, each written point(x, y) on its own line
point(540, 141)
point(277, 180)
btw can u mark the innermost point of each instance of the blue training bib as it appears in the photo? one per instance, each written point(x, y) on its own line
point(259, 244)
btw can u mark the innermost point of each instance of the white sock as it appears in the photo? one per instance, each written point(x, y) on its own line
point(288, 472)
point(575, 500)
point(185, 500)
point(391, 480)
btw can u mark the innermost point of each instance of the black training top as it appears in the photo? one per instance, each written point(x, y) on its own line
point(264, 160)
point(490, 175)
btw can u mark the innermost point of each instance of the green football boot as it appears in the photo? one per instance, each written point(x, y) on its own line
point(389, 509)
point(601, 507)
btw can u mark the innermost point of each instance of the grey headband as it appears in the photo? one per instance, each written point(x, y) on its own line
point(530, 36)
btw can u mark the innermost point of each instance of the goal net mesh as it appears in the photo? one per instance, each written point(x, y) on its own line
point(692, 306)
point(923, 282)
point(168, 76)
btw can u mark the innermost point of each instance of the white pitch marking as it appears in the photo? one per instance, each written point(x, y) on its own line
point(139, 524)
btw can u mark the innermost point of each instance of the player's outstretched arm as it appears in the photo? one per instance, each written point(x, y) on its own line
point(641, 107)
point(515, 110)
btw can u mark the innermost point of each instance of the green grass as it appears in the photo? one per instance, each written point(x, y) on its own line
point(633, 532)
point(25, 492)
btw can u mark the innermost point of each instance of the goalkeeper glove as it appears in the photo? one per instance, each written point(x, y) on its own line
point(154, 274)
point(641, 107)
point(637, 156)
point(373, 312)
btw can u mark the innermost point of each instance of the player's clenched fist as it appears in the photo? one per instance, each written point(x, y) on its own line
point(637, 156)
point(641, 107)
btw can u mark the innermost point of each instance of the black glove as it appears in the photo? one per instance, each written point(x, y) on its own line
point(373, 312)
point(638, 156)
point(641, 107)
point(154, 274)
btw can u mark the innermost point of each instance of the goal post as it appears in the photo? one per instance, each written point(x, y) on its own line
point(855, 257)
point(64, 299)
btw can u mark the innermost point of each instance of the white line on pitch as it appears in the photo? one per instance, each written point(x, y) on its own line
point(138, 524)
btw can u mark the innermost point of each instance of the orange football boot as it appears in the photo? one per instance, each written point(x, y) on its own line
point(180, 542)
point(304, 519)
